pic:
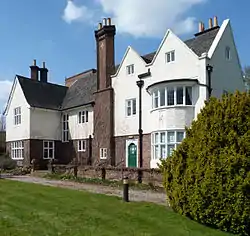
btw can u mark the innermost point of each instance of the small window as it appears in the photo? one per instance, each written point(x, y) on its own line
point(130, 107)
point(65, 128)
point(48, 149)
point(17, 150)
point(17, 115)
point(228, 53)
point(170, 56)
point(130, 69)
point(83, 117)
point(81, 145)
point(103, 153)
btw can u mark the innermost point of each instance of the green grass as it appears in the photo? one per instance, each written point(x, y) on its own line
point(30, 209)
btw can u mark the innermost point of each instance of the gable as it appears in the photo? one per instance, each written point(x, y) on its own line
point(16, 93)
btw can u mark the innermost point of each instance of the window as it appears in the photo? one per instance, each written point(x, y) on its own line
point(81, 145)
point(164, 143)
point(130, 69)
point(103, 153)
point(65, 128)
point(17, 115)
point(17, 150)
point(228, 53)
point(130, 107)
point(171, 96)
point(83, 117)
point(170, 56)
point(48, 149)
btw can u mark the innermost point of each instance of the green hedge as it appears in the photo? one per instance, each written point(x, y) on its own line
point(208, 176)
point(6, 163)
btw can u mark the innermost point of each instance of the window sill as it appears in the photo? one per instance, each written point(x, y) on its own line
point(170, 107)
point(65, 141)
point(81, 150)
point(48, 158)
point(131, 116)
point(103, 158)
point(17, 159)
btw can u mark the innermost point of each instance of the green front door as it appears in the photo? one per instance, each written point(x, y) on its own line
point(132, 155)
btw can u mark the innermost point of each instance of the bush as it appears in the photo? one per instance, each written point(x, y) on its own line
point(6, 163)
point(208, 176)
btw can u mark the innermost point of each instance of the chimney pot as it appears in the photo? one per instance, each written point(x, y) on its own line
point(34, 62)
point(200, 27)
point(109, 21)
point(44, 65)
point(34, 70)
point(104, 22)
point(215, 21)
point(99, 26)
point(210, 23)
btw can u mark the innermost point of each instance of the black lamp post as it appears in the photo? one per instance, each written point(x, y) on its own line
point(209, 72)
point(140, 84)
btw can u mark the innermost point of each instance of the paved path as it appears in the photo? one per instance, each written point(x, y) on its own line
point(134, 195)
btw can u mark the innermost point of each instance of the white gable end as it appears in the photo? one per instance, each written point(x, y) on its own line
point(17, 99)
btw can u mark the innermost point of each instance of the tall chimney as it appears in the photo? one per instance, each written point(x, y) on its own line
point(215, 21)
point(200, 27)
point(44, 74)
point(210, 23)
point(105, 48)
point(34, 69)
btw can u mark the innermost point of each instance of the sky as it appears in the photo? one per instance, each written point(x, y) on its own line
point(61, 32)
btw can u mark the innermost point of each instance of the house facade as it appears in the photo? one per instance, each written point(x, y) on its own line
point(94, 117)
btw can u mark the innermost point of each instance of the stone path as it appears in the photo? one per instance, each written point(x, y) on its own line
point(134, 195)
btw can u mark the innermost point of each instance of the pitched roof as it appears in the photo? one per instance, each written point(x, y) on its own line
point(81, 91)
point(53, 96)
point(42, 95)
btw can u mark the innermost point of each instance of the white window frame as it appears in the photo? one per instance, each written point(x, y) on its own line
point(17, 150)
point(156, 96)
point(17, 116)
point(65, 128)
point(170, 56)
point(228, 53)
point(130, 69)
point(103, 153)
point(83, 117)
point(132, 106)
point(81, 145)
point(158, 144)
point(48, 148)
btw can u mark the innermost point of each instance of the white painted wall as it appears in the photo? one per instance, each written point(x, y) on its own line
point(226, 74)
point(45, 124)
point(80, 131)
point(21, 131)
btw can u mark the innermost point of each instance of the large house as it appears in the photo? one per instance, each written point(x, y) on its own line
point(94, 117)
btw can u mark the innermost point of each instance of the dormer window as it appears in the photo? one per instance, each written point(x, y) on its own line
point(130, 69)
point(170, 56)
point(228, 53)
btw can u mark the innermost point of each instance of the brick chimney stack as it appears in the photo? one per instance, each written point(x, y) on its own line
point(34, 69)
point(105, 35)
point(103, 142)
point(44, 74)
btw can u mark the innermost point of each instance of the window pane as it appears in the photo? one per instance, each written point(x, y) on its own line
point(168, 57)
point(179, 95)
point(134, 106)
point(22, 151)
point(170, 149)
point(80, 117)
point(163, 137)
point(163, 151)
point(156, 138)
point(171, 137)
point(188, 95)
point(45, 144)
point(170, 93)
point(83, 116)
point(50, 144)
point(83, 145)
point(156, 153)
point(162, 97)
point(180, 136)
point(128, 111)
point(79, 145)
point(132, 69)
point(156, 99)
point(87, 116)
point(45, 153)
point(50, 153)
point(173, 56)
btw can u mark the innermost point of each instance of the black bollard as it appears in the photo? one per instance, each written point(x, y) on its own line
point(125, 189)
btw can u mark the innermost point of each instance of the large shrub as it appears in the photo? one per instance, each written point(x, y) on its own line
point(208, 176)
point(6, 163)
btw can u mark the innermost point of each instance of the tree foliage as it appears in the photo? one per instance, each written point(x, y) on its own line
point(208, 176)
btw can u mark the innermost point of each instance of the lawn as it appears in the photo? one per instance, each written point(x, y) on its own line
point(30, 209)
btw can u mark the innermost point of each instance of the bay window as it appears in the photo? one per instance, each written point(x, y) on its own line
point(172, 96)
point(165, 142)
